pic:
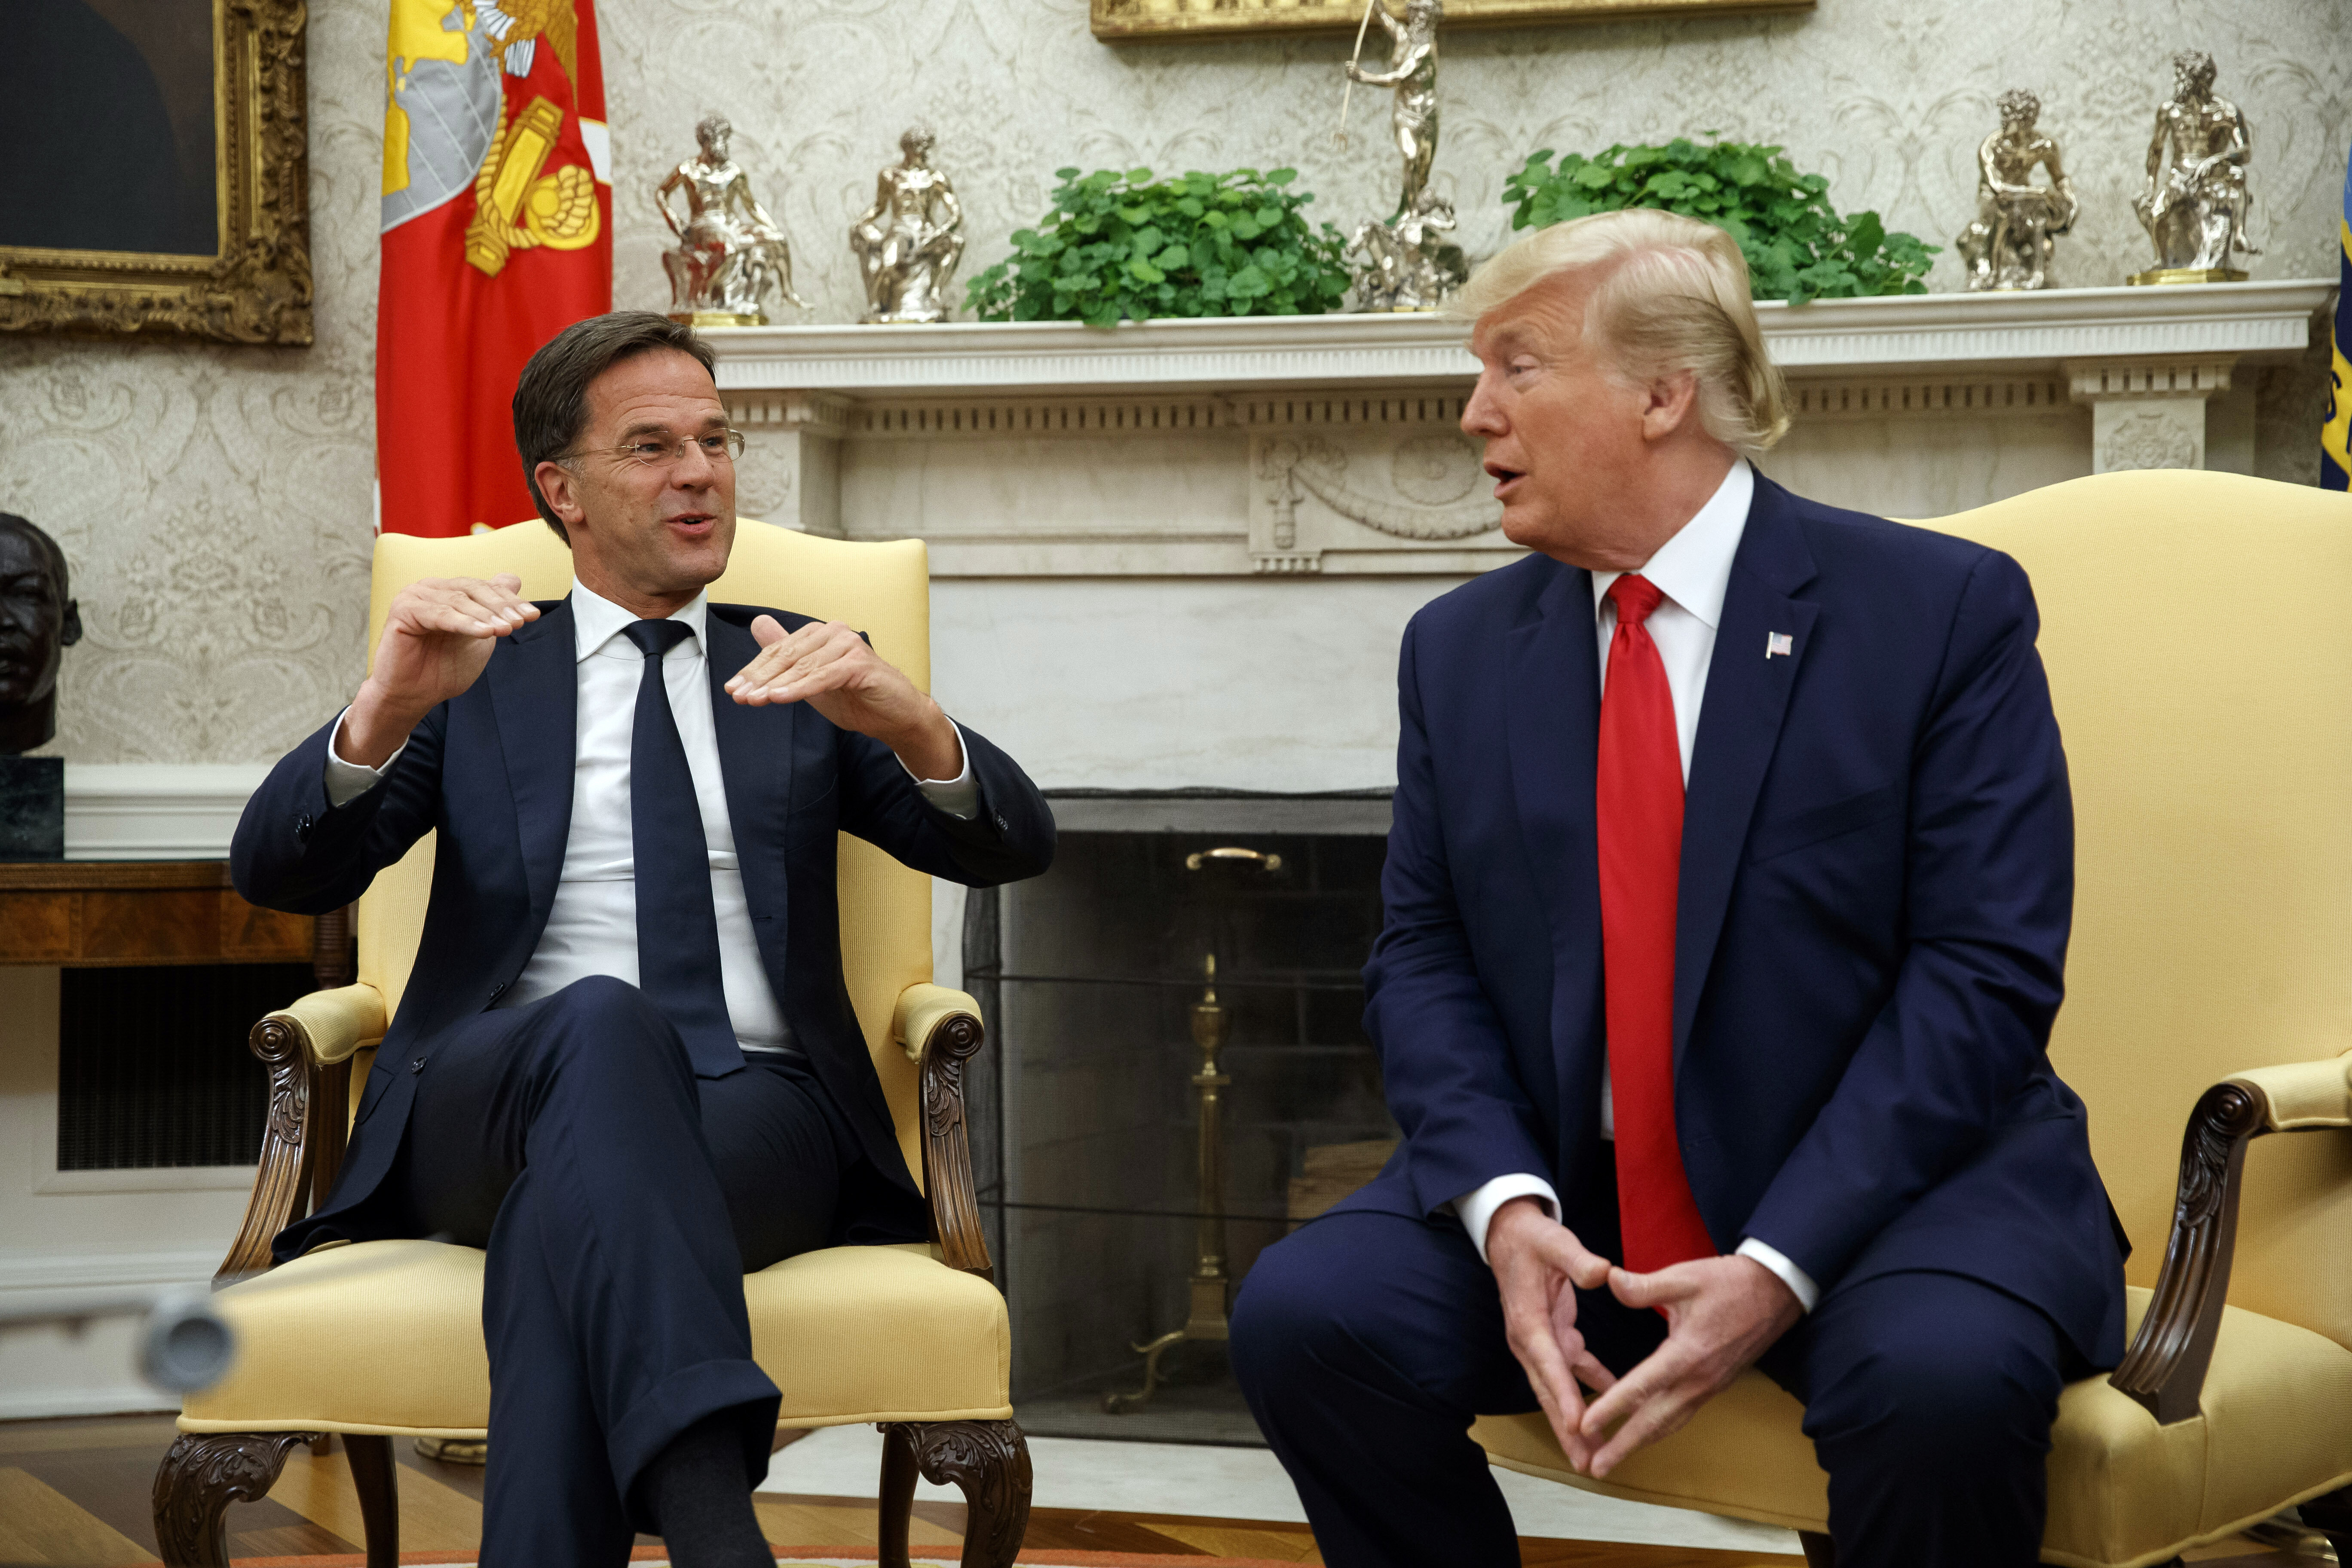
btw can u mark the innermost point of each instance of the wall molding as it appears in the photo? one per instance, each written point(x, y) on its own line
point(156, 811)
point(23, 1272)
point(47, 1369)
point(147, 1179)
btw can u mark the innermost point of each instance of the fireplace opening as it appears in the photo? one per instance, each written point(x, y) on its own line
point(1147, 1127)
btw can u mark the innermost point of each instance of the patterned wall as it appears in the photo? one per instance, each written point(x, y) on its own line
point(216, 502)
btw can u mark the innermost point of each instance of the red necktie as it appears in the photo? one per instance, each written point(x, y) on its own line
point(1638, 799)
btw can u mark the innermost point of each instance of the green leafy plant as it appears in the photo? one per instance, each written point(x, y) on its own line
point(1124, 246)
point(1797, 246)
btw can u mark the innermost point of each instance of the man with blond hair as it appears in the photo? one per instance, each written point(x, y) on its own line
point(1727, 906)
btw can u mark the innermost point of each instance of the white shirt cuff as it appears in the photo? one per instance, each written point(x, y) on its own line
point(1476, 1209)
point(346, 782)
point(958, 796)
point(1794, 1278)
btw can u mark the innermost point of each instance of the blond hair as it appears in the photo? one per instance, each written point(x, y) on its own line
point(1672, 298)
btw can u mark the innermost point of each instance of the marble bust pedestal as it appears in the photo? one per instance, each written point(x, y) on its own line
point(32, 808)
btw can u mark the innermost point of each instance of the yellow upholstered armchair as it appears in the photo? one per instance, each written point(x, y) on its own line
point(383, 1341)
point(2199, 651)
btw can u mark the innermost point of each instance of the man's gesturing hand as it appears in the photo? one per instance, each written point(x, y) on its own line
point(438, 635)
point(1536, 1260)
point(1721, 1314)
point(834, 671)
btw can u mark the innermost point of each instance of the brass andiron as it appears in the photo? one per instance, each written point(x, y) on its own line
point(1211, 1283)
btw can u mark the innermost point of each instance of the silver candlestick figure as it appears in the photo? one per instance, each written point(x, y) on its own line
point(2196, 200)
point(730, 254)
point(2018, 222)
point(909, 240)
point(1412, 71)
point(1407, 263)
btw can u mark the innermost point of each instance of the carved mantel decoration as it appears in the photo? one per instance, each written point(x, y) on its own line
point(1311, 447)
point(255, 287)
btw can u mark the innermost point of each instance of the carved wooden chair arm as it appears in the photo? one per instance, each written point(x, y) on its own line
point(334, 1025)
point(941, 1030)
point(308, 1048)
point(2301, 1095)
point(2163, 1368)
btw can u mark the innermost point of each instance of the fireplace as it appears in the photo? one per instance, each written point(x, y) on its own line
point(1183, 554)
point(1088, 1133)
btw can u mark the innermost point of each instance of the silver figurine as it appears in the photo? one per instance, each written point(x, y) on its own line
point(2018, 222)
point(1412, 71)
point(909, 240)
point(730, 254)
point(1408, 263)
point(2195, 207)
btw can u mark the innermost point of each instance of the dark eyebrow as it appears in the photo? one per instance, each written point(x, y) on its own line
point(655, 427)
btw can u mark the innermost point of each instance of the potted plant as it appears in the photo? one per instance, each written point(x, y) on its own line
point(1797, 246)
point(1127, 247)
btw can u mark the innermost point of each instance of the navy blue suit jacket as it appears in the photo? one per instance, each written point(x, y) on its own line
point(492, 770)
point(1877, 878)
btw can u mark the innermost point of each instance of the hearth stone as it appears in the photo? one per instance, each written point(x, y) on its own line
point(32, 808)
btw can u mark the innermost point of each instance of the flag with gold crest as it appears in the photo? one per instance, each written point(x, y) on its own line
point(2336, 436)
point(497, 233)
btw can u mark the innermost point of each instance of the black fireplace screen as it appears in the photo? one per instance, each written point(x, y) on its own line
point(1088, 1130)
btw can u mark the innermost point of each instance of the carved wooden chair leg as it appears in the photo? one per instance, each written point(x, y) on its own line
point(989, 1460)
point(203, 1474)
point(1818, 1552)
point(376, 1479)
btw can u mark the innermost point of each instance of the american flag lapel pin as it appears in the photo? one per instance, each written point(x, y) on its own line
point(1780, 643)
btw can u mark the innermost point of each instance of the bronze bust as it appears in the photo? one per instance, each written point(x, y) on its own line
point(39, 621)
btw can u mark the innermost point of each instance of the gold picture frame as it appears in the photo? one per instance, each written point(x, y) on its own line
point(1140, 21)
point(254, 287)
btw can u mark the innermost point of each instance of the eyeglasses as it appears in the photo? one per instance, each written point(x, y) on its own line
point(717, 447)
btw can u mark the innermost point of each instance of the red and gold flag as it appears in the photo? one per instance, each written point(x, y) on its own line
point(497, 233)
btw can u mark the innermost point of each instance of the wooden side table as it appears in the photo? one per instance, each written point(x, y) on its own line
point(116, 913)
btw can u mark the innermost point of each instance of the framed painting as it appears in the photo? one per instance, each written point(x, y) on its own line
point(1120, 21)
point(158, 169)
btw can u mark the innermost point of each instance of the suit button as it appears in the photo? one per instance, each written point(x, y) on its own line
point(417, 1064)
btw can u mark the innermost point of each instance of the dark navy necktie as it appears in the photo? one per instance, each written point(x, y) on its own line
point(677, 927)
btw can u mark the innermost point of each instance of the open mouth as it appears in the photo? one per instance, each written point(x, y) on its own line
point(1506, 479)
point(693, 522)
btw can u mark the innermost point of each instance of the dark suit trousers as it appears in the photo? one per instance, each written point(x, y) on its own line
point(621, 1201)
point(1367, 1342)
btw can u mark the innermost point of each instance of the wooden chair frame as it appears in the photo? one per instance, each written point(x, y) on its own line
point(302, 1149)
point(2164, 1367)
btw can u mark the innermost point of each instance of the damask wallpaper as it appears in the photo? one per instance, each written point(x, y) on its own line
point(216, 502)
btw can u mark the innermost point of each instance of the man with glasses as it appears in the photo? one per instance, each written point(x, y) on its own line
point(630, 1071)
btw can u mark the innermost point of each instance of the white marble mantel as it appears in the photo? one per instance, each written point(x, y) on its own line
point(1325, 445)
point(1841, 337)
point(1180, 554)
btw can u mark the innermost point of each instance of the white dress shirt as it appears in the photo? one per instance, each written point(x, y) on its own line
point(592, 927)
point(1693, 570)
